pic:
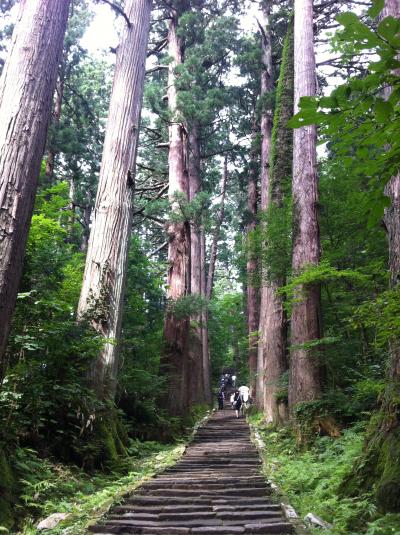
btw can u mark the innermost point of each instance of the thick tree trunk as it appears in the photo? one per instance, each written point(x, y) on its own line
point(251, 267)
point(176, 328)
point(101, 300)
point(26, 93)
point(267, 308)
point(272, 346)
point(304, 379)
point(196, 364)
point(214, 244)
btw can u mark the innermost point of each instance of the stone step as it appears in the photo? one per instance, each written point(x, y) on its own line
point(203, 485)
point(216, 488)
point(245, 491)
point(187, 508)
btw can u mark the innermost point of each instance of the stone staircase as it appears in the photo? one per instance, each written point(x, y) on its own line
point(216, 488)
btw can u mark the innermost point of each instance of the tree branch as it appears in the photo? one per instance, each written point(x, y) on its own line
point(119, 10)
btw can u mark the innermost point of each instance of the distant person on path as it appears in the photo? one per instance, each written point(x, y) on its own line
point(244, 392)
point(234, 381)
point(238, 401)
point(221, 399)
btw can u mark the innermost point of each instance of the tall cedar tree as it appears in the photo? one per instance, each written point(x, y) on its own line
point(304, 376)
point(272, 359)
point(176, 328)
point(251, 265)
point(198, 360)
point(102, 293)
point(266, 127)
point(26, 93)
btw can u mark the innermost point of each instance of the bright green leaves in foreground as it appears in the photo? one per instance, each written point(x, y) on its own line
point(361, 118)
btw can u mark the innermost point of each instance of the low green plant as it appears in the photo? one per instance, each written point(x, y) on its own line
point(311, 480)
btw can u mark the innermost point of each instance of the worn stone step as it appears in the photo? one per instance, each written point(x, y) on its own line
point(246, 491)
point(203, 485)
point(216, 488)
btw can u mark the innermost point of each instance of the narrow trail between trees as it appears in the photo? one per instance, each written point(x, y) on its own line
point(215, 488)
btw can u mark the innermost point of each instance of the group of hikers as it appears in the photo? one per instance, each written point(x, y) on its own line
point(239, 398)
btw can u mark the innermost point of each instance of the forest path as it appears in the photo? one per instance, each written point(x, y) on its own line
point(215, 488)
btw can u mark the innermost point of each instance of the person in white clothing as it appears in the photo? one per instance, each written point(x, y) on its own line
point(244, 393)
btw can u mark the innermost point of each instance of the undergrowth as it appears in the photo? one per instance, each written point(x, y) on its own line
point(46, 486)
point(311, 480)
point(55, 488)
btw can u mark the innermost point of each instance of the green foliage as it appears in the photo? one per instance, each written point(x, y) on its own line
point(361, 117)
point(186, 306)
point(381, 315)
point(227, 333)
point(48, 487)
point(322, 273)
point(312, 480)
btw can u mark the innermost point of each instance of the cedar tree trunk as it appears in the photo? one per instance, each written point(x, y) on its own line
point(195, 353)
point(252, 290)
point(26, 93)
point(176, 327)
point(272, 358)
point(304, 377)
point(102, 295)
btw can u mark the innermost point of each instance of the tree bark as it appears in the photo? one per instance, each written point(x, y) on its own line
point(26, 92)
point(101, 300)
point(214, 244)
point(251, 267)
point(276, 169)
point(267, 292)
point(176, 329)
point(204, 323)
point(196, 339)
point(304, 379)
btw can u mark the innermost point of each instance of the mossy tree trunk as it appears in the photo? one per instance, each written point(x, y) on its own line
point(176, 328)
point(272, 347)
point(251, 266)
point(304, 376)
point(102, 294)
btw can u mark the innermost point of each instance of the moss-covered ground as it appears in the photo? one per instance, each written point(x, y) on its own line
point(312, 480)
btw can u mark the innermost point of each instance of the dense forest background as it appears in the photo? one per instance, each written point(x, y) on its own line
point(235, 243)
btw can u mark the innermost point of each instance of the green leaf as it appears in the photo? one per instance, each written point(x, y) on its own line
point(383, 110)
point(347, 19)
point(376, 8)
point(389, 29)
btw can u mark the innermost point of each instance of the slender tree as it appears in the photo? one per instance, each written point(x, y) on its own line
point(102, 294)
point(304, 376)
point(217, 230)
point(26, 91)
